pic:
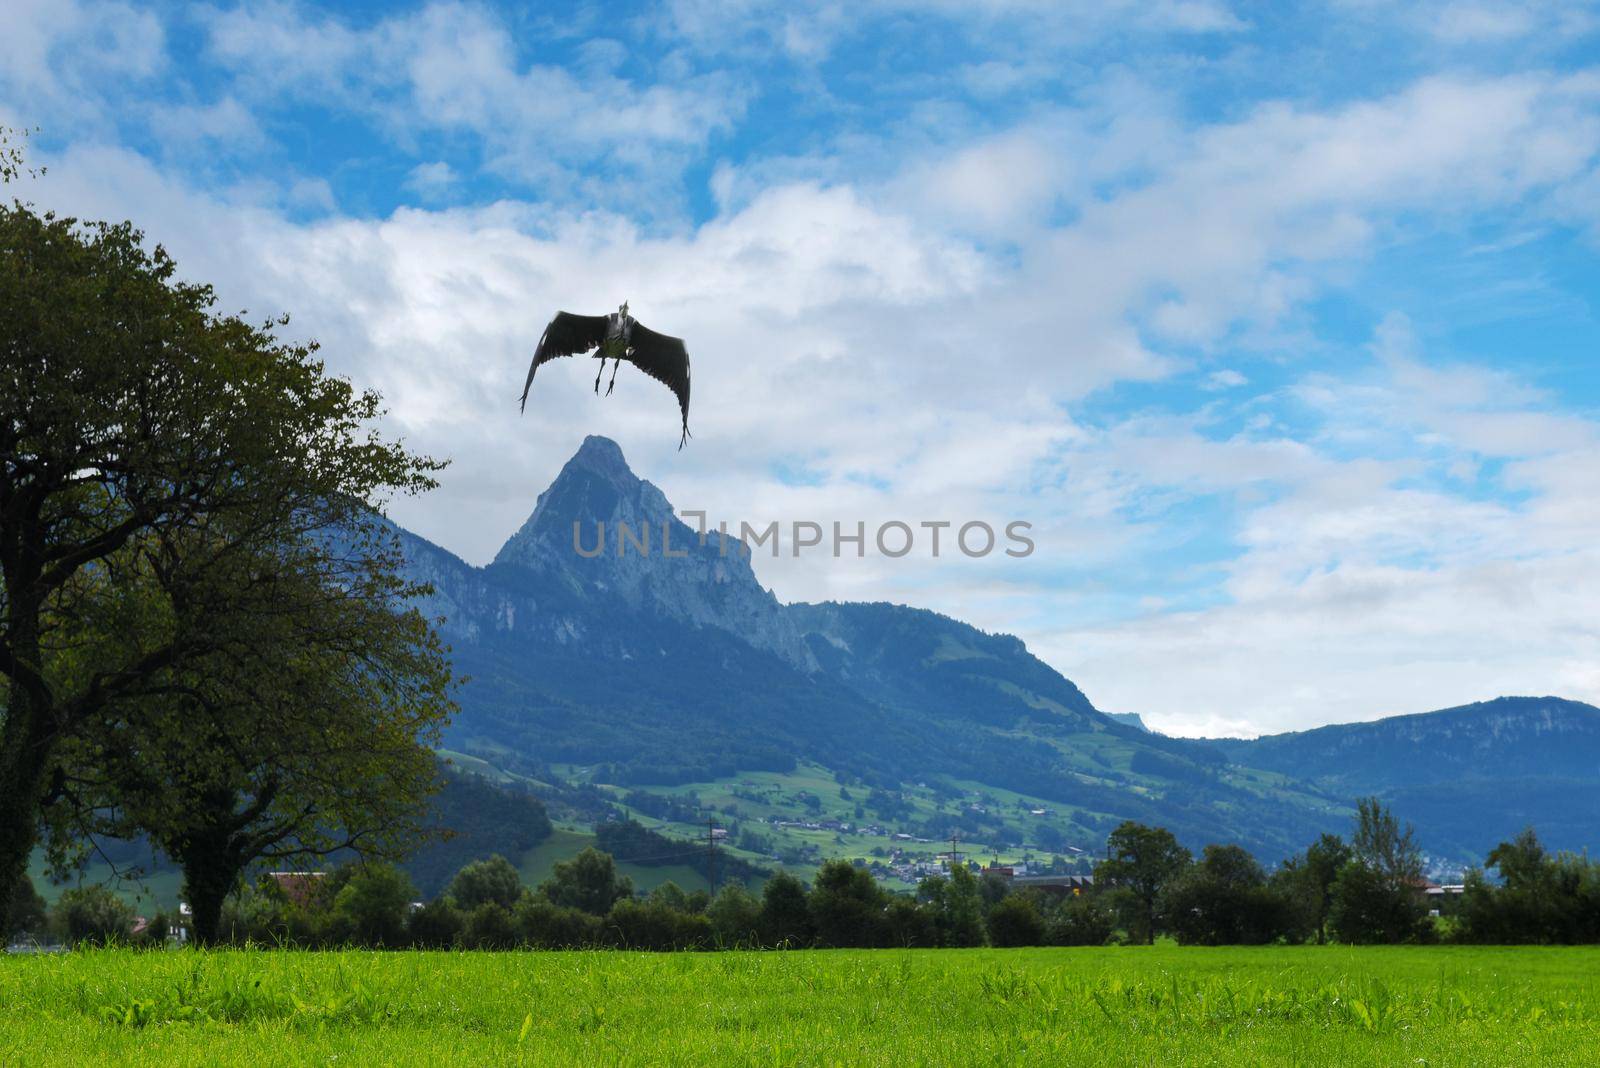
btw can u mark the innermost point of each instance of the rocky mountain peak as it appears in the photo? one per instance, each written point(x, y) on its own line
point(603, 457)
point(603, 532)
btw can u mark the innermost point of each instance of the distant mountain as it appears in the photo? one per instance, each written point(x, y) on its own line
point(1132, 719)
point(645, 557)
point(651, 668)
point(648, 668)
point(1468, 776)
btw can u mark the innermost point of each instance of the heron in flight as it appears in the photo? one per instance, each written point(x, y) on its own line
point(617, 337)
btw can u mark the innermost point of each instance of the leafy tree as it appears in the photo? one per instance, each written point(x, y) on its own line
point(493, 879)
point(1523, 862)
point(545, 925)
point(1539, 898)
point(634, 924)
point(1377, 896)
point(735, 917)
point(910, 925)
point(92, 915)
point(786, 913)
point(1306, 883)
point(1224, 900)
point(306, 734)
point(1080, 920)
point(436, 925)
point(488, 926)
point(372, 906)
point(1015, 921)
point(1381, 844)
point(956, 905)
point(993, 887)
point(1141, 863)
point(253, 914)
point(136, 418)
point(847, 906)
point(589, 881)
point(670, 895)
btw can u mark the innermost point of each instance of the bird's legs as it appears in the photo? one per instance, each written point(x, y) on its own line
point(600, 372)
point(613, 382)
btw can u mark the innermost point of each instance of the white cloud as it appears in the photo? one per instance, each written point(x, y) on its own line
point(454, 68)
point(809, 32)
point(53, 51)
point(920, 339)
point(432, 181)
point(224, 123)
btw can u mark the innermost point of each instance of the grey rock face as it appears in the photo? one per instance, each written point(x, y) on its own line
point(643, 555)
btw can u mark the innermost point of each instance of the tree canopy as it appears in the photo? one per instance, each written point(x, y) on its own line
point(162, 467)
point(1141, 862)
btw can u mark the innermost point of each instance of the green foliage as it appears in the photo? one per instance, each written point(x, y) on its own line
point(1305, 882)
point(785, 919)
point(13, 162)
point(589, 881)
point(182, 473)
point(1141, 863)
point(1080, 920)
point(436, 925)
point(1015, 921)
point(656, 925)
point(481, 819)
point(670, 895)
point(92, 915)
point(491, 880)
point(1369, 908)
point(956, 906)
point(910, 924)
point(545, 925)
point(735, 917)
point(372, 906)
point(1224, 900)
point(1377, 896)
point(489, 926)
point(632, 843)
point(1540, 897)
point(847, 906)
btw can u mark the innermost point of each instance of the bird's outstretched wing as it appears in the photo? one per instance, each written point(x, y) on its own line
point(567, 335)
point(666, 360)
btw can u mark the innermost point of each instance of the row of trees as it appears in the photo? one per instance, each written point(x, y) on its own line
point(1540, 897)
point(1365, 891)
point(586, 902)
point(1369, 890)
point(199, 641)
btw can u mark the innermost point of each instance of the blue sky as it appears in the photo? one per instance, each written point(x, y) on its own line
point(1276, 321)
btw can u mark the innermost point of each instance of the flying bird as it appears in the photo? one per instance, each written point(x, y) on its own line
point(618, 337)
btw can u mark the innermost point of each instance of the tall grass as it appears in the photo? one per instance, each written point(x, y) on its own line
point(1165, 1005)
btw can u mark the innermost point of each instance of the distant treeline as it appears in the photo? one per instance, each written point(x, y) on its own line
point(1367, 890)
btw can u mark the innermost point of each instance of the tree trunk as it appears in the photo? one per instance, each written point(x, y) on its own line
point(24, 759)
point(209, 876)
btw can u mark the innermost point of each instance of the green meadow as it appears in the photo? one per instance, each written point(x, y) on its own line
point(1128, 1005)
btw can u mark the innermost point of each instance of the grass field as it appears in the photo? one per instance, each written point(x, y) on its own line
point(1159, 1006)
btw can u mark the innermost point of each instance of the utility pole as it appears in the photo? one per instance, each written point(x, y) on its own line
point(711, 854)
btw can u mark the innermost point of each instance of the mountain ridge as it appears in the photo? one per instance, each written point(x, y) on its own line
point(644, 669)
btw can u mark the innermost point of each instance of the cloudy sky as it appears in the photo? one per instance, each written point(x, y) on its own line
point(1278, 326)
